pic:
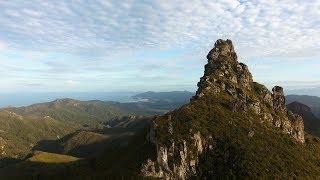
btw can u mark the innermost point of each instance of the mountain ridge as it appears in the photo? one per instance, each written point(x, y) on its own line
point(230, 114)
point(311, 122)
point(312, 101)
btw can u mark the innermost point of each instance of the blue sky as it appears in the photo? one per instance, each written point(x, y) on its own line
point(130, 45)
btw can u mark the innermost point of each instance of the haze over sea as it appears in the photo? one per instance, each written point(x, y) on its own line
point(25, 99)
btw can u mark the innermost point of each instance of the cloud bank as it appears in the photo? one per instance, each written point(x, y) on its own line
point(97, 37)
point(287, 27)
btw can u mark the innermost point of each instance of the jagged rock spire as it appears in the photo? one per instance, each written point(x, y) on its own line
point(222, 48)
point(279, 102)
point(229, 84)
point(224, 74)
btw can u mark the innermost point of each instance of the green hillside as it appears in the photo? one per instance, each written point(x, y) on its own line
point(116, 152)
point(233, 128)
point(45, 157)
point(22, 128)
point(70, 110)
point(20, 133)
point(235, 154)
point(85, 143)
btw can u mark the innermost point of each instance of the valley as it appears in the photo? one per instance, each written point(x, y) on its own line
point(72, 127)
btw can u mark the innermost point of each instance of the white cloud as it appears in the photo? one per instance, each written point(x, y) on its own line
point(3, 46)
point(71, 82)
point(102, 41)
point(100, 27)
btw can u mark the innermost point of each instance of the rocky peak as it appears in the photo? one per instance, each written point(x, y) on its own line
point(229, 85)
point(223, 71)
point(222, 48)
point(224, 74)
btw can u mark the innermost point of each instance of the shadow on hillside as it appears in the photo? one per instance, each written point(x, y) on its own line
point(118, 137)
point(5, 161)
point(116, 162)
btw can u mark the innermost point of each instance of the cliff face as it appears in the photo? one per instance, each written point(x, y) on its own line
point(227, 88)
point(175, 160)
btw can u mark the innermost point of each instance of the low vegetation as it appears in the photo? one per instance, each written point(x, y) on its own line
point(45, 157)
point(268, 153)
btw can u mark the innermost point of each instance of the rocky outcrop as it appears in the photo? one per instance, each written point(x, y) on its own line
point(224, 73)
point(176, 161)
point(279, 103)
point(222, 48)
point(297, 126)
point(224, 76)
point(290, 123)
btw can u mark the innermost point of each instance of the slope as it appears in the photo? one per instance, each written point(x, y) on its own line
point(119, 158)
point(86, 143)
point(70, 110)
point(87, 113)
point(20, 133)
point(21, 128)
point(232, 128)
point(45, 157)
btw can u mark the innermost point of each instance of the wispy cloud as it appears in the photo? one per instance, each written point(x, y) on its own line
point(108, 38)
point(291, 85)
point(3, 46)
point(100, 27)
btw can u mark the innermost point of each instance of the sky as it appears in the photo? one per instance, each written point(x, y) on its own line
point(160, 45)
